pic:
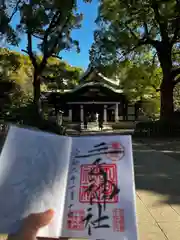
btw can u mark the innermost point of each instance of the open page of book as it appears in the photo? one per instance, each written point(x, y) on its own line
point(100, 200)
point(33, 177)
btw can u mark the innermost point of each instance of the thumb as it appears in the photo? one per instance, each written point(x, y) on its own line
point(33, 223)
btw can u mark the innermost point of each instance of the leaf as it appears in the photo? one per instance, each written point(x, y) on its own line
point(121, 28)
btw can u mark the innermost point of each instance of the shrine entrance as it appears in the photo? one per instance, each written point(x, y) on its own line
point(94, 95)
point(91, 110)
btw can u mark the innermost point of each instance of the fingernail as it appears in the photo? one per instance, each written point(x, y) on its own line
point(50, 211)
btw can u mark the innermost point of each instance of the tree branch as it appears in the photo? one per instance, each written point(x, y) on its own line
point(60, 20)
point(177, 23)
point(36, 36)
point(55, 56)
point(154, 58)
point(161, 22)
point(175, 72)
point(57, 19)
point(51, 51)
point(30, 51)
point(24, 51)
point(177, 81)
point(131, 31)
point(146, 32)
point(59, 35)
point(15, 10)
point(176, 32)
point(153, 62)
point(145, 40)
point(156, 89)
point(48, 30)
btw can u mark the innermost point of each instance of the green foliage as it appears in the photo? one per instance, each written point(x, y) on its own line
point(139, 80)
point(157, 129)
point(16, 68)
point(15, 71)
point(51, 23)
point(177, 97)
point(16, 74)
point(129, 27)
point(8, 9)
point(151, 108)
point(60, 75)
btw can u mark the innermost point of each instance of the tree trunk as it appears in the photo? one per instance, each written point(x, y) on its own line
point(164, 51)
point(36, 97)
point(167, 105)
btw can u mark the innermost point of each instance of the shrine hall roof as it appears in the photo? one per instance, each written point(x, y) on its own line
point(93, 78)
point(90, 84)
point(92, 73)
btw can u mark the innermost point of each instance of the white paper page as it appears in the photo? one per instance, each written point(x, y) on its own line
point(117, 219)
point(33, 178)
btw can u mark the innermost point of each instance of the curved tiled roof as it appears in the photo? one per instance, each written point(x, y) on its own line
point(96, 84)
point(92, 71)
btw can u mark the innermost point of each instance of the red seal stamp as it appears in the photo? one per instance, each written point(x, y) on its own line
point(93, 187)
point(75, 220)
point(118, 220)
point(115, 151)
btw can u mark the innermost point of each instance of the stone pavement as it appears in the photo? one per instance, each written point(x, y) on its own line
point(170, 146)
point(157, 194)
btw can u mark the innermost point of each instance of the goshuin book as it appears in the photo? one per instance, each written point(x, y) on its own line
point(88, 181)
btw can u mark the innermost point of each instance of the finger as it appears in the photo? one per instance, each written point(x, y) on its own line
point(38, 220)
point(35, 221)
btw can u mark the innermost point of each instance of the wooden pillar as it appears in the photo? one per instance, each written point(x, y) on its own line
point(105, 114)
point(70, 115)
point(81, 113)
point(59, 118)
point(117, 112)
point(125, 116)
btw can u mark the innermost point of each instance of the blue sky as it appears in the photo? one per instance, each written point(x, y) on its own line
point(84, 35)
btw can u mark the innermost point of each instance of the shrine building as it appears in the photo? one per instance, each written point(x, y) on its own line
point(95, 94)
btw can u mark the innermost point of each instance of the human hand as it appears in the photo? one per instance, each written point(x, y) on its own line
point(31, 226)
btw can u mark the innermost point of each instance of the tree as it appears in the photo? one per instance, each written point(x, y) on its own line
point(177, 97)
point(60, 75)
point(51, 23)
point(16, 70)
point(146, 80)
point(8, 8)
point(145, 85)
point(129, 28)
point(15, 85)
point(16, 91)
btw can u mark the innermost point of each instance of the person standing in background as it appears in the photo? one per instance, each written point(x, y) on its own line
point(86, 119)
point(100, 122)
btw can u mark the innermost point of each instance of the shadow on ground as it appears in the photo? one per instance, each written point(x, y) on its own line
point(157, 172)
point(168, 146)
